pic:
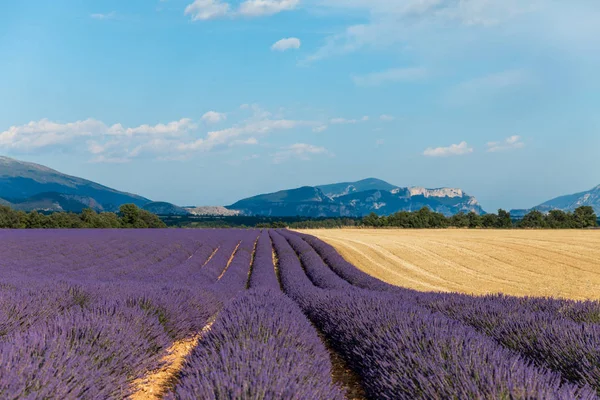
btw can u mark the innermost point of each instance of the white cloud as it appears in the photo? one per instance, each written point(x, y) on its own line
point(510, 143)
point(250, 128)
point(213, 117)
point(258, 8)
point(387, 118)
point(453, 150)
point(320, 128)
point(44, 133)
point(172, 140)
point(379, 142)
point(344, 121)
point(101, 16)
point(393, 75)
point(174, 128)
point(300, 151)
point(286, 44)
point(202, 10)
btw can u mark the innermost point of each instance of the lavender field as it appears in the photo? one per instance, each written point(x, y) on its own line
point(269, 314)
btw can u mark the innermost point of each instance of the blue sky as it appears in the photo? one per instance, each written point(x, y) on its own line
point(208, 101)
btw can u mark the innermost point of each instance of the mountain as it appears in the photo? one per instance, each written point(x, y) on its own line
point(571, 202)
point(342, 189)
point(30, 186)
point(164, 208)
point(355, 199)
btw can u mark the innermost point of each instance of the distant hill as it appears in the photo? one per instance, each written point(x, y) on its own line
point(30, 186)
point(355, 199)
point(164, 208)
point(568, 202)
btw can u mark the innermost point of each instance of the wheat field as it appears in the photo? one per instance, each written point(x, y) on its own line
point(553, 263)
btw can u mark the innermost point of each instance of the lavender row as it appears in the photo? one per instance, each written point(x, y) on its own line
point(260, 347)
point(343, 268)
point(559, 343)
point(235, 278)
point(263, 269)
point(404, 351)
point(105, 307)
point(560, 335)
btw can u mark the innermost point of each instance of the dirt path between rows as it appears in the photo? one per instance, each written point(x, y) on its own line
point(157, 383)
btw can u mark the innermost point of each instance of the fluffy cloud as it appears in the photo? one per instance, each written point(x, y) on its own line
point(460, 149)
point(118, 143)
point(387, 118)
point(202, 10)
point(45, 133)
point(286, 44)
point(320, 128)
point(258, 8)
point(510, 143)
point(393, 75)
point(213, 117)
point(300, 151)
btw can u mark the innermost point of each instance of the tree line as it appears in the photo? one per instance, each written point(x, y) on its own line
point(582, 217)
point(129, 216)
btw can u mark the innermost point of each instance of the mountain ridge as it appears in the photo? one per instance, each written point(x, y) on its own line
point(356, 199)
point(569, 202)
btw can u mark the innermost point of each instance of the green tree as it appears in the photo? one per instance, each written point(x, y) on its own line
point(371, 220)
point(585, 217)
point(558, 219)
point(533, 219)
point(460, 220)
point(489, 221)
point(504, 220)
point(475, 220)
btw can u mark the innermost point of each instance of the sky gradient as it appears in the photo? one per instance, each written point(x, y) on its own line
point(206, 102)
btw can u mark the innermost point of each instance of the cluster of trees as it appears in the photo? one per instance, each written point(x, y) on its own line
point(583, 217)
point(129, 216)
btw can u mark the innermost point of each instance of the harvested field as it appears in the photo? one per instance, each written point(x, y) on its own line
point(563, 263)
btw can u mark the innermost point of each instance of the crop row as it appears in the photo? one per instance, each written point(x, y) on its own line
point(260, 346)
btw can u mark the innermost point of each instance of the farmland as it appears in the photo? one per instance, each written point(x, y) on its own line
point(271, 314)
point(551, 263)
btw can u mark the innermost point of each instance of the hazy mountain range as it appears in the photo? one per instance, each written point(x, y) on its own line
point(28, 186)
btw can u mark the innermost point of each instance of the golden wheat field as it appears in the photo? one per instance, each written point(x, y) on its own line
point(516, 262)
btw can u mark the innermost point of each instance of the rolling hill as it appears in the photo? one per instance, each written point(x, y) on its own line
point(28, 186)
